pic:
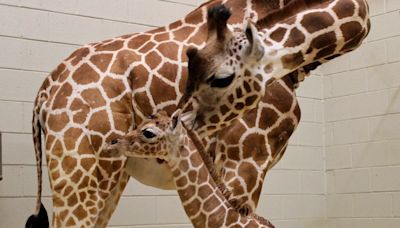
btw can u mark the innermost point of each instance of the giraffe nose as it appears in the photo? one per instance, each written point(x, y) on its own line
point(114, 141)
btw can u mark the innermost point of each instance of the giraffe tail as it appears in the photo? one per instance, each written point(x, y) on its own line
point(40, 218)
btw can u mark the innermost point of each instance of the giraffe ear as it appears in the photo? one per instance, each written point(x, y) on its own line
point(217, 19)
point(256, 48)
point(176, 119)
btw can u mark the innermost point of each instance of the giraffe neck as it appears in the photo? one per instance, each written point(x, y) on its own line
point(203, 201)
point(298, 41)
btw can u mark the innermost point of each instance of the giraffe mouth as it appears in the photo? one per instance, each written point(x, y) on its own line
point(220, 82)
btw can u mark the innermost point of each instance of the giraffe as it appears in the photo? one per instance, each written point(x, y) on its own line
point(167, 138)
point(105, 89)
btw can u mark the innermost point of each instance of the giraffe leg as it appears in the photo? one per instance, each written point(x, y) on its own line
point(112, 201)
point(82, 180)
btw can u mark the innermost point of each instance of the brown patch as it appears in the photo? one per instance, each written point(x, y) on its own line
point(110, 166)
point(161, 91)
point(362, 10)
point(72, 200)
point(85, 75)
point(113, 46)
point(192, 176)
point(316, 21)
point(87, 163)
point(254, 146)
point(99, 122)
point(350, 30)
point(139, 76)
point(58, 202)
point(182, 181)
point(291, 61)
point(183, 33)
point(162, 36)
point(232, 139)
point(249, 175)
point(63, 76)
point(122, 121)
point(56, 73)
point(169, 71)
point(138, 41)
point(143, 103)
point(53, 164)
point(325, 52)
point(232, 217)
point(187, 193)
point(169, 50)
point(210, 204)
point(184, 166)
point(344, 9)
point(323, 40)
point(123, 60)
point(353, 43)
point(112, 87)
point(58, 122)
point(68, 164)
point(76, 176)
point(268, 118)
point(49, 141)
point(70, 137)
point(236, 186)
point(153, 59)
point(78, 55)
point(147, 47)
point(278, 34)
point(224, 109)
point(279, 96)
point(250, 100)
point(93, 97)
point(233, 153)
point(278, 137)
point(58, 149)
point(80, 117)
point(101, 61)
point(193, 207)
point(215, 218)
point(214, 119)
point(71, 221)
point(61, 99)
point(67, 190)
point(296, 37)
point(230, 117)
point(200, 220)
point(85, 146)
point(174, 25)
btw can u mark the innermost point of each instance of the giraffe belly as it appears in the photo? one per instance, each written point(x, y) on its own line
point(150, 172)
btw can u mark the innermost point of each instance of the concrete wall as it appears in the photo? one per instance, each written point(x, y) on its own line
point(306, 189)
point(362, 126)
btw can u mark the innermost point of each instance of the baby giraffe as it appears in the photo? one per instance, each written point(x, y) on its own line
point(204, 202)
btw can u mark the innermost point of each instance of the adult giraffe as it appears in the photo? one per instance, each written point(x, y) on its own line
point(104, 89)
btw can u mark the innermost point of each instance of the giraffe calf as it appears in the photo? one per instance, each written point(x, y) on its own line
point(168, 139)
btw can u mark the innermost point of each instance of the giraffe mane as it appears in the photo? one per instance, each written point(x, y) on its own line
point(208, 162)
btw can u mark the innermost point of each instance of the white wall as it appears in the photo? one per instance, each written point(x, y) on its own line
point(362, 113)
point(36, 34)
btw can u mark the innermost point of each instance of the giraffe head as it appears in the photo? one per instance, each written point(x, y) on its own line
point(222, 82)
point(153, 138)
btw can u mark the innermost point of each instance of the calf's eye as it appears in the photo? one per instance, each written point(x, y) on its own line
point(148, 134)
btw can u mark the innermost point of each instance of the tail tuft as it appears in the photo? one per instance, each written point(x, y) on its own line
point(40, 220)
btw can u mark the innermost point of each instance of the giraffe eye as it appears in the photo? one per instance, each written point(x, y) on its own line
point(215, 82)
point(148, 134)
